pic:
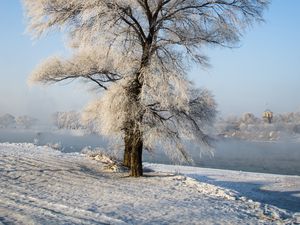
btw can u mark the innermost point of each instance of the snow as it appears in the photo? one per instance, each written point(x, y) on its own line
point(39, 185)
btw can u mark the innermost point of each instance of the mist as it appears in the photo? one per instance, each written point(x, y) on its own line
point(236, 149)
point(42, 102)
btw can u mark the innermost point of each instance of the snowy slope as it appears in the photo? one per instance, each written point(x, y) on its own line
point(282, 191)
point(39, 185)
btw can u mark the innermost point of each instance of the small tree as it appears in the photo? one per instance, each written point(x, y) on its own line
point(7, 121)
point(25, 121)
point(67, 120)
point(248, 118)
point(140, 52)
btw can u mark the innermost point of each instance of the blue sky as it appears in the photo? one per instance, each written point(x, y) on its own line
point(264, 72)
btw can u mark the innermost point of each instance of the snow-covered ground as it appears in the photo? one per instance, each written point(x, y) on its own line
point(39, 185)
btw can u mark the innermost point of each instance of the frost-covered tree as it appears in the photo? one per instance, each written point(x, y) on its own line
point(139, 51)
point(7, 121)
point(25, 121)
point(67, 120)
point(249, 118)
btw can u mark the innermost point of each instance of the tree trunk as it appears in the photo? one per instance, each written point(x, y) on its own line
point(133, 136)
point(136, 168)
point(127, 150)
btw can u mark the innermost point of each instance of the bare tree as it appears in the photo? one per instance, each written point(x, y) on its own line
point(140, 52)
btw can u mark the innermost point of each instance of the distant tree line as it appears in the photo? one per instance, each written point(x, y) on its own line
point(250, 127)
point(9, 121)
point(247, 126)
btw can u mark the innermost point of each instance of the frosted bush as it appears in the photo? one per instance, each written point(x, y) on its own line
point(67, 120)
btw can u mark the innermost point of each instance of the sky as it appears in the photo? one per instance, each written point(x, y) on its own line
point(263, 72)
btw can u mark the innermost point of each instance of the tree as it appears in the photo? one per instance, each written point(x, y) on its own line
point(249, 118)
point(139, 51)
point(7, 121)
point(67, 120)
point(25, 121)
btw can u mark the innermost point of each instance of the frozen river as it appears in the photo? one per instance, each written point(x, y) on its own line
point(268, 157)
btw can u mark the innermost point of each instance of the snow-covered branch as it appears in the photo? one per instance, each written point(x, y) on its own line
point(88, 64)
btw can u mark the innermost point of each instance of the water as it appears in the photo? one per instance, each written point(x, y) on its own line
point(267, 157)
point(68, 140)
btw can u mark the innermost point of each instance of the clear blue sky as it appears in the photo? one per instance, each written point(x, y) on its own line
point(263, 73)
